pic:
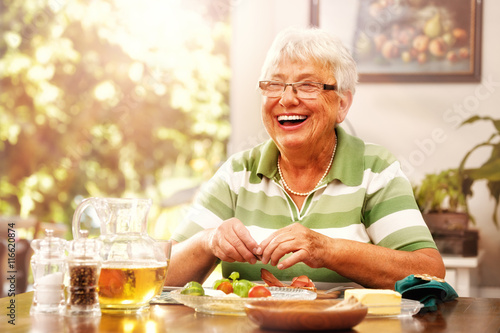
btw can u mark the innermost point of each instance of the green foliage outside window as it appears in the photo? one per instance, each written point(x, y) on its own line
point(110, 99)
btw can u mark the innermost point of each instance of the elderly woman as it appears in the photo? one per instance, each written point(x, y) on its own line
point(313, 200)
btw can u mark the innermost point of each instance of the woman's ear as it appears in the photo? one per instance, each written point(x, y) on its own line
point(344, 106)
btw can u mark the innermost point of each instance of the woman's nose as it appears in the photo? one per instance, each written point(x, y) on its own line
point(288, 97)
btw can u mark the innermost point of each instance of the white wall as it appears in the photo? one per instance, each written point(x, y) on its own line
point(402, 117)
point(255, 23)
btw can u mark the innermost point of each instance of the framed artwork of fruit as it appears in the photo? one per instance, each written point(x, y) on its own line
point(408, 40)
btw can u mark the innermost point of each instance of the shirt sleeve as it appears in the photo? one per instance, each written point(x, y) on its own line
point(391, 215)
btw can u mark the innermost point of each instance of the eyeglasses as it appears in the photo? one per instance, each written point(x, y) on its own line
point(305, 90)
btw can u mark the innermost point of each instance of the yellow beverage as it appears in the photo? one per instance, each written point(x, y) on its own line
point(129, 288)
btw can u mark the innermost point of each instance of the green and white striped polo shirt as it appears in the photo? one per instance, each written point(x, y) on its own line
point(365, 197)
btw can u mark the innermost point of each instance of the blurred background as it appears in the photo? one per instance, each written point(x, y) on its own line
point(111, 99)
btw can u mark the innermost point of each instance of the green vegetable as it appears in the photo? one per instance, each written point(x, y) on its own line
point(242, 287)
point(234, 276)
point(193, 288)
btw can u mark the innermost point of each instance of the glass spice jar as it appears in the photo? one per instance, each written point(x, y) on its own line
point(83, 266)
point(48, 267)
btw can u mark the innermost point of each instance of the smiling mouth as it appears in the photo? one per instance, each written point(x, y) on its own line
point(291, 120)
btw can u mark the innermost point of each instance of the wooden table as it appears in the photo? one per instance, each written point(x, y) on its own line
point(462, 315)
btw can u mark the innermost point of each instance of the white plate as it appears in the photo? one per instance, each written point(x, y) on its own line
point(226, 305)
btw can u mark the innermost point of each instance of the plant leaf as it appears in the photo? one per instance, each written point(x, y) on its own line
point(497, 125)
point(471, 120)
point(495, 193)
point(489, 171)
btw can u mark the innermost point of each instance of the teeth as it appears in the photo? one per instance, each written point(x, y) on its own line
point(291, 118)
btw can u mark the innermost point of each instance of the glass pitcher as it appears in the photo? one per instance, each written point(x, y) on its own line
point(134, 265)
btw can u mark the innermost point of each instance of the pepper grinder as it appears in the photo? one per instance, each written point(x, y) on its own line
point(84, 267)
point(48, 267)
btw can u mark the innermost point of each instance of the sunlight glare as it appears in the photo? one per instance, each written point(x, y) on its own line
point(155, 25)
point(105, 90)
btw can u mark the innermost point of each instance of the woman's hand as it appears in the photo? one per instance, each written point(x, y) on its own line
point(370, 265)
point(231, 241)
point(307, 246)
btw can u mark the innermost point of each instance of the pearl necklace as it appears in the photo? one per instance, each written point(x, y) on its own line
point(305, 194)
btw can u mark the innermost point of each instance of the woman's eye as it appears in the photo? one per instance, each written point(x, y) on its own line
point(275, 85)
point(307, 86)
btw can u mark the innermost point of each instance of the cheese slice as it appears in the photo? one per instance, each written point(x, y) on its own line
point(378, 301)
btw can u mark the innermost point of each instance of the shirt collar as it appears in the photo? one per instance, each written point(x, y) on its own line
point(348, 164)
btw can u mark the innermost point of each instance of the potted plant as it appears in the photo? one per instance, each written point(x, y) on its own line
point(442, 197)
point(443, 205)
point(489, 170)
point(442, 202)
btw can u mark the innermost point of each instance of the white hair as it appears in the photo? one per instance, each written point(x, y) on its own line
point(313, 44)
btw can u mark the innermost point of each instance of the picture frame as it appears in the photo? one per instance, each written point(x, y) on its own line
point(407, 40)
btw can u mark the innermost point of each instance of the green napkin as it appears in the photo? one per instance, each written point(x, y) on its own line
point(428, 290)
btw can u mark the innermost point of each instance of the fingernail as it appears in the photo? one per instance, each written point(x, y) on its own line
point(280, 266)
point(258, 251)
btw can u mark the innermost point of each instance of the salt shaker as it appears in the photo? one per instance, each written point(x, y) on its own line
point(84, 266)
point(48, 267)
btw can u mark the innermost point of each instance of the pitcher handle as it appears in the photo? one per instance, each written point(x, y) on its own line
point(77, 215)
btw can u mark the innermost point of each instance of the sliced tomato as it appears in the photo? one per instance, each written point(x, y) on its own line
point(226, 287)
point(259, 291)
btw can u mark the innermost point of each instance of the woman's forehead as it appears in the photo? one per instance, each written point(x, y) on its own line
point(295, 66)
